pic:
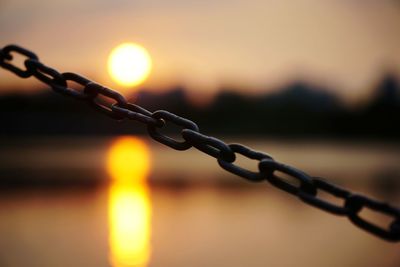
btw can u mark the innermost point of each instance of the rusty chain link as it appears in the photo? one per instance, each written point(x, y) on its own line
point(307, 189)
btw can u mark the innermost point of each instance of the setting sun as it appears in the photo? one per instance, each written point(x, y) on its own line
point(129, 64)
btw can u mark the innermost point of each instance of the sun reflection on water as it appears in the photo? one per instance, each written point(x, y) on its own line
point(129, 203)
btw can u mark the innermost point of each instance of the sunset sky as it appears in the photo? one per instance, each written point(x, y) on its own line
point(203, 45)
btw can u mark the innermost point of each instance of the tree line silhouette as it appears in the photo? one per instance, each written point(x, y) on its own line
point(296, 111)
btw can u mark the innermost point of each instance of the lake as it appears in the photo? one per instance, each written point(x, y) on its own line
point(72, 202)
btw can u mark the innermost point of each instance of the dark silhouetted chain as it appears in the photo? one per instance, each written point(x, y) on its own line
point(306, 188)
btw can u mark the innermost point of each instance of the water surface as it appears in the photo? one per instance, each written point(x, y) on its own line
point(186, 211)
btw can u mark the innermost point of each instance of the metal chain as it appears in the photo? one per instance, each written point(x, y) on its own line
point(307, 189)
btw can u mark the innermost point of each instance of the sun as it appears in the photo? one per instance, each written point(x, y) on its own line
point(129, 64)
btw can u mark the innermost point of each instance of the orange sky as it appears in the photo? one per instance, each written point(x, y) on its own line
point(253, 45)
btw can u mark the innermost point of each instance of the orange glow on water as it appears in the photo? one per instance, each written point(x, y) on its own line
point(130, 225)
point(128, 160)
point(129, 203)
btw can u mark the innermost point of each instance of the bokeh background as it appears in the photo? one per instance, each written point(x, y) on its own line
point(313, 83)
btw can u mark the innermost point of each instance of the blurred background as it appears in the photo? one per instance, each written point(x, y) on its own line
point(316, 84)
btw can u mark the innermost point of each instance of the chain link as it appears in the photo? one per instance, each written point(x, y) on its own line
point(334, 190)
point(209, 145)
point(240, 171)
point(175, 119)
point(269, 166)
point(137, 113)
point(95, 91)
point(308, 187)
point(7, 56)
